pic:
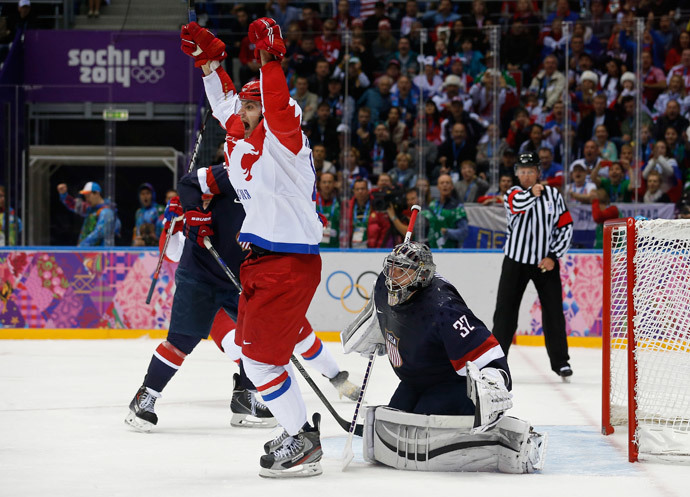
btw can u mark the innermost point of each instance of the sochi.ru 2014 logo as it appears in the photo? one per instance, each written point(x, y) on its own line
point(353, 294)
point(110, 65)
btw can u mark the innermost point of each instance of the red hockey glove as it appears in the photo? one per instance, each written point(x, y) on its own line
point(201, 44)
point(266, 35)
point(198, 225)
point(174, 211)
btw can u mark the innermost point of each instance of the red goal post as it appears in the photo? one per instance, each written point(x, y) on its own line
point(646, 304)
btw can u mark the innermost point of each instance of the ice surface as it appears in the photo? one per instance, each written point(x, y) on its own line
point(62, 432)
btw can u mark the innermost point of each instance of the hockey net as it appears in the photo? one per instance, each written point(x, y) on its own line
point(647, 291)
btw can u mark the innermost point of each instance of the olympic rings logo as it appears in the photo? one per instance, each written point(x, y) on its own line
point(147, 74)
point(341, 286)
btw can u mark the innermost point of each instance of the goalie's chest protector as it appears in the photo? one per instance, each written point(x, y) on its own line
point(277, 190)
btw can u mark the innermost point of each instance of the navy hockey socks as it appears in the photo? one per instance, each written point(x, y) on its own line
point(167, 359)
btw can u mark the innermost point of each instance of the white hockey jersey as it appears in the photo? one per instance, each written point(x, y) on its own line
point(271, 171)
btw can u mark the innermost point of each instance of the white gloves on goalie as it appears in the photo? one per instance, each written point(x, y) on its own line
point(487, 389)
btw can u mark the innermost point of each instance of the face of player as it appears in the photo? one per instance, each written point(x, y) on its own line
point(250, 114)
point(145, 198)
point(401, 276)
point(528, 176)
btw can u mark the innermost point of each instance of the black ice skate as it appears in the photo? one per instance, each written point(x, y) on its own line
point(345, 387)
point(142, 416)
point(247, 411)
point(272, 445)
point(297, 456)
point(565, 373)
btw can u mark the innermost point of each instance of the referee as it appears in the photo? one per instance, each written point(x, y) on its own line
point(539, 232)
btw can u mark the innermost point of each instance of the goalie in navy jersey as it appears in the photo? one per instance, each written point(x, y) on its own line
point(454, 377)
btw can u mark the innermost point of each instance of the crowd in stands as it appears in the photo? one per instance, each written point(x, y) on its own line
point(399, 88)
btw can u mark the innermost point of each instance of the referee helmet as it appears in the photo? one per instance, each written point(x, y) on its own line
point(528, 159)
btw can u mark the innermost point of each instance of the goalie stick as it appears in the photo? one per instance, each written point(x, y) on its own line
point(344, 424)
point(348, 455)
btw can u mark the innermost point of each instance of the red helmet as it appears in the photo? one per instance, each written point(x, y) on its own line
point(251, 91)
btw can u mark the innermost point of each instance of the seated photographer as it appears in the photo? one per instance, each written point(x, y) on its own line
point(446, 217)
point(387, 225)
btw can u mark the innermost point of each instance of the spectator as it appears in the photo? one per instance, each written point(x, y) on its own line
point(343, 19)
point(282, 12)
point(431, 124)
point(318, 82)
point(382, 153)
point(363, 138)
point(552, 40)
point(407, 57)
point(618, 188)
point(385, 45)
point(323, 130)
point(610, 82)
point(600, 20)
point(601, 115)
point(607, 149)
point(548, 84)
point(310, 24)
point(628, 120)
point(457, 114)
point(303, 61)
point(328, 206)
point(518, 49)
point(393, 70)
point(653, 80)
point(328, 43)
point(457, 68)
point(406, 98)
point(550, 172)
point(385, 228)
point(580, 189)
point(321, 165)
point(450, 89)
point(602, 212)
point(411, 16)
point(507, 165)
point(667, 167)
point(8, 215)
point(470, 186)
point(148, 213)
point(540, 231)
point(485, 148)
point(563, 12)
point(352, 169)
point(362, 51)
point(307, 100)
point(453, 152)
point(673, 118)
point(472, 59)
point(482, 94)
point(646, 142)
point(446, 217)
point(673, 55)
point(654, 194)
point(682, 69)
point(497, 197)
point(378, 99)
point(397, 129)
point(591, 158)
point(442, 15)
point(101, 223)
point(476, 22)
point(518, 132)
point(371, 23)
point(536, 140)
point(403, 174)
point(554, 126)
point(583, 98)
point(675, 147)
point(341, 109)
point(675, 91)
point(430, 82)
point(359, 211)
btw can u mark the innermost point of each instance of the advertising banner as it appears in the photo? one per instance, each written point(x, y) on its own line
point(105, 66)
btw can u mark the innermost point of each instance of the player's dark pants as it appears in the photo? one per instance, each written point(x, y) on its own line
point(441, 398)
point(514, 279)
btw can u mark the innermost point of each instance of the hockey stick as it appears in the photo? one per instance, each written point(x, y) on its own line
point(160, 261)
point(191, 11)
point(342, 422)
point(348, 455)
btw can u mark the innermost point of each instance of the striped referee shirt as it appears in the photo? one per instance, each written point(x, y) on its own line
point(537, 226)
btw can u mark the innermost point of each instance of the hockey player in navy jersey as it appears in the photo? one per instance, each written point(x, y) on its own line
point(454, 377)
point(269, 166)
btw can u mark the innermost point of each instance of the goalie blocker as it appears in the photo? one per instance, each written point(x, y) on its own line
point(418, 442)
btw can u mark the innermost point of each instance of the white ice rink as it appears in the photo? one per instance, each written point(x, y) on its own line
point(63, 403)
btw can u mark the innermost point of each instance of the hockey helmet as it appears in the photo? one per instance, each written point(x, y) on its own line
point(251, 91)
point(409, 267)
point(528, 159)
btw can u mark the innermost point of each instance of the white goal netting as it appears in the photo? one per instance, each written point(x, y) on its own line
point(661, 298)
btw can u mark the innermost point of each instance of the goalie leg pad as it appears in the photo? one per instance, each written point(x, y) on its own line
point(419, 442)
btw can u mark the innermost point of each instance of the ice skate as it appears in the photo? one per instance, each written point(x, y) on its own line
point(272, 445)
point(345, 387)
point(565, 373)
point(297, 456)
point(142, 415)
point(247, 410)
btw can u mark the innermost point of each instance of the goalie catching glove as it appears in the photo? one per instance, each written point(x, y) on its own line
point(265, 34)
point(201, 44)
point(487, 389)
point(198, 225)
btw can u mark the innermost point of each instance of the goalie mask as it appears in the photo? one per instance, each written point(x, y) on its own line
point(407, 268)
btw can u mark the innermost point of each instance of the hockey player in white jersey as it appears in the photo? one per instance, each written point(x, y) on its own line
point(269, 166)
